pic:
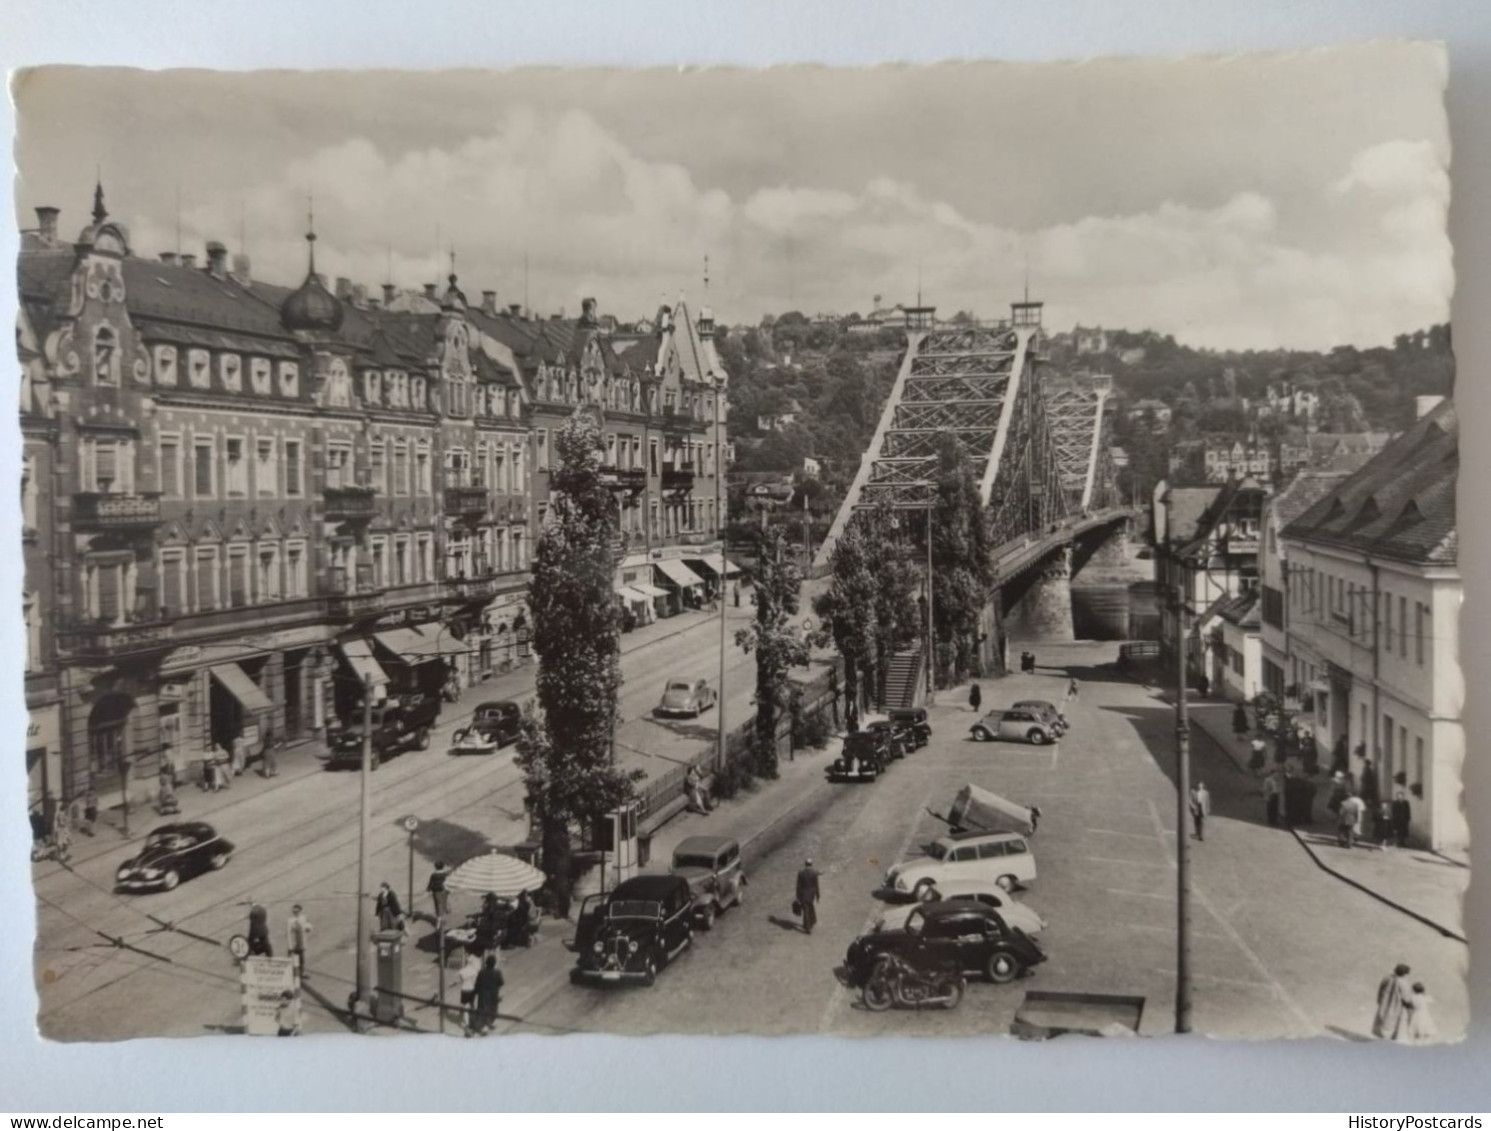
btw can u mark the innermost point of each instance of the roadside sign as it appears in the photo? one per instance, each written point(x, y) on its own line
point(265, 981)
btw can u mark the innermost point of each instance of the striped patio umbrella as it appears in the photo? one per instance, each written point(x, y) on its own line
point(498, 873)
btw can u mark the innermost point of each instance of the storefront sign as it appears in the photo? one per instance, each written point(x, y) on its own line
point(44, 729)
point(265, 981)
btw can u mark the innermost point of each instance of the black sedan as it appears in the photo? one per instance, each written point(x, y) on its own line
point(173, 853)
point(634, 930)
point(971, 936)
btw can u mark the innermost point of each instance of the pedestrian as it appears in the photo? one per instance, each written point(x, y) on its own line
point(167, 803)
point(38, 830)
point(1271, 792)
point(488, 994)
point(1393, 993)
point(1203, 686)
point(737, 594)
point(470, 971)
point(693, 789)
point(90, 810)
point(1239, 721)
point(287, 1015)
point(1402, 817)
point(520, 922)
point(1258, 756)
point(270, 765)
point(237, 756)
point(298, 932)
point(62, 833)
point(1071, 687)
point(1421, 1027)
point(439, 893)
point(808, 894)
point(975, 698)
point(386, 904)
point(1349, 820)
point(258, 931)
point(1200, 809)
point(1371, 791)
point(1382, 824)
point(1339, 762)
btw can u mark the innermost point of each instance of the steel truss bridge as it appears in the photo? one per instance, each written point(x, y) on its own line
point(1037, 442)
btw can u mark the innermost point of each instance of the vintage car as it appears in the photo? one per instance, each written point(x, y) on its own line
point(402, 722)
point(897, 739)
point(685, 697)
point(1015, 913)
point(1014, 726)
point(711, 865)
point(173, 853)
point(634, 930)
point(913, 722)
point(1001, 859)
point(1046, 710)
point(865, 756)
point(498, 721)
point(974, 938)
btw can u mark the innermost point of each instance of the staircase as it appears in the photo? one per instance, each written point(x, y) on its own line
point(903, 683)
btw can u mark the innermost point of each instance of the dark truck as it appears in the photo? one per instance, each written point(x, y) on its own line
point(400, 722)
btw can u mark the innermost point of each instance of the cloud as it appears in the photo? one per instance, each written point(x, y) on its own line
point(591, 216)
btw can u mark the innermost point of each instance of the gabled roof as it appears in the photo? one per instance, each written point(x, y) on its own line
point(1241, 610)
point(1304, 491)
point(1184, 507)
point(1401, 504)
point(170, 292)
point(1235, 496)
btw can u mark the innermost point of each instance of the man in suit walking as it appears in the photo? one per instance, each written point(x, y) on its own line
point(808, 896)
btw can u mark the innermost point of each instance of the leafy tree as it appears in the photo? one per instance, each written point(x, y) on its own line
point(847, 610)
point(777, 644)
point(565, 747)
point(960, 561)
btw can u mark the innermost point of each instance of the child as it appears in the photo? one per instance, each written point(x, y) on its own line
point(287, 1015)
point(1421, 1027)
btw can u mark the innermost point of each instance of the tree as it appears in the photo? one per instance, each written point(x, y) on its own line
point(777, 644)
point(960, 561)
point(847, 609)
point(565, 748)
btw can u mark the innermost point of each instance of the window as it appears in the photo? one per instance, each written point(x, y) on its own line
point(199, 369)
point(378, 466)
point(165, 365)
point(417, 392)
point(520, 551)
point(168, 452)
point(402, 574)
point(541, 438)
point(295, 570)
point(425, 558)
point(172, 582)
point(235, 467)
point(456, 391)
point(378, 544)
point(265, 477)
point(230, 370)
point(401, 467)
point(202, 468)
point(105, 356)
point(1418, 760)
point(33, 633)
point(293, 481)
point(372, 387)
point(206, 578)
point(106, 588)
point(398, 390)
point(289, 379)
point(611, 449)
point(1403, 627)
point(267, 576)
point(457, 467)
point(991, 850)
point(1387, 739)
point(1420, 611)
point(652, 457)
point(339, 465)
point(238, 577)
point(1387, 622)
point(423, 481)
point(108, 465)
point(259, 374)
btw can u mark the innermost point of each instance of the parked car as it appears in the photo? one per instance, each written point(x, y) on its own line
point(1014, 726)
point(402, 722)
point(973, 937)
point(173, 853)
point(865, 756)
point(686, 697)
point(1046, 710)
point(1015, 913)
point(634, 930)
point(897, 740)
point(498, 721)
point(913, 721)
point(1001, 859)
point(711, 865)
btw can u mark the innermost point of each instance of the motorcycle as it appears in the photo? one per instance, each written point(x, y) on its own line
point(894, 981)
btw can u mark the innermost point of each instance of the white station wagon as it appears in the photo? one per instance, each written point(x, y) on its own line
point(1003, 859)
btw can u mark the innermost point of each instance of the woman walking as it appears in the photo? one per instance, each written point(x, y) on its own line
point(975, 698)
point(488, 993)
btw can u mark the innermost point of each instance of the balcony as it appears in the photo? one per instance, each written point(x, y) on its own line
point(624, 478)
point(678, 476)
point(1248, 545)
point(466, 502)
point(100, 640)
point(475, 590)
point(98, 512)
point(349, 598)
point(349, 504)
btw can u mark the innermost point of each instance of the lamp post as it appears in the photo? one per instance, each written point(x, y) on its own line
point(719, 518)
point(931, 623)
point(364, 829)
point(1182, 840)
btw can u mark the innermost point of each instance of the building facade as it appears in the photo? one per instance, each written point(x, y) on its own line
point(1374, 595)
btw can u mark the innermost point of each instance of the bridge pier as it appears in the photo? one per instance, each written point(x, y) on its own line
point(1113, 553)
point(1044, 611)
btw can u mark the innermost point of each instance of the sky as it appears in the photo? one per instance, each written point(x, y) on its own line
point(1291, 200)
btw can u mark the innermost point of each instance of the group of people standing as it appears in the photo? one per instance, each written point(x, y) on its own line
point(53, 822)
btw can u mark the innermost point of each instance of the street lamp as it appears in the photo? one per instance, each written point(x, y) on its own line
point(1182, 840)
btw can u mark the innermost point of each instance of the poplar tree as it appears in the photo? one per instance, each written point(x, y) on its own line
point(964, 575)
point(778, 645)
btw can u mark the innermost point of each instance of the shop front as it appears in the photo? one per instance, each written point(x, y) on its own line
point(43, 753)
point(686, 589)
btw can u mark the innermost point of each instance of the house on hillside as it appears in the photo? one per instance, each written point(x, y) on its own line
point(1090, 340)
point(776, 421)
point(1156, 411)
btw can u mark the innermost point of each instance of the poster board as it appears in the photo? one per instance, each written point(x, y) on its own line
point(264, 980)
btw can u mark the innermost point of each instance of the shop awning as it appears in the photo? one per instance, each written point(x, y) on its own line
point(648, 591)
point(628, 593)
point(413, 645)
point(717, 564)
point(235, 682)
point(679, 574)
point(359, 656)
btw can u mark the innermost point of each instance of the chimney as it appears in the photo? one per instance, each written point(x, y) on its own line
point(489, 302)
point(515, 309)
point(430, 292)
point(587, 312)
point(188, 260)
point(46, 223)
point(1425, 405)
point(344, 288)
point(241, 269)
point(360, 296)
point(388, 294)
point(706, 323)
point(217, 260)
point(168, 257)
